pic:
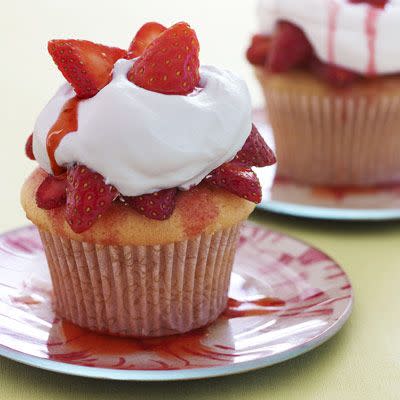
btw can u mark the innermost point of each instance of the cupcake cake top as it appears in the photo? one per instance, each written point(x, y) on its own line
point(353, 35)
point(139, 125)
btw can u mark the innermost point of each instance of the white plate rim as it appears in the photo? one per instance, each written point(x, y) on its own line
point(329, 213)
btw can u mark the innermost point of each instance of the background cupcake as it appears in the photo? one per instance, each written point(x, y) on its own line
point(145, 179)
point(329, 72)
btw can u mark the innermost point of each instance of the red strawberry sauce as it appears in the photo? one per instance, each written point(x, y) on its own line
point(172, 345)
point(197, 210)
point(66, 122)
point(333, 12)
point(370, 30)
point(371, 20)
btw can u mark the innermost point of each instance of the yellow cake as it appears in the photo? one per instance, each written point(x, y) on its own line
point(204, 209)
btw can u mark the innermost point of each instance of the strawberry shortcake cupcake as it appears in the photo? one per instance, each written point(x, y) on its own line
point(330, 73)
point(145, 177)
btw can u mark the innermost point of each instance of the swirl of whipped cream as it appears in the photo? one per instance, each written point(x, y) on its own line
point(142, 141)
point(359, 37)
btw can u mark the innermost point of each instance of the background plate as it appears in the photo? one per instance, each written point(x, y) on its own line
point(285, 299)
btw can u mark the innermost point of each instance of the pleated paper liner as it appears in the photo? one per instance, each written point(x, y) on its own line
point(333, 139)
point(142, 291)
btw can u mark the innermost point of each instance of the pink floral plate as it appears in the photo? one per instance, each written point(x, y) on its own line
point(286, 298)
point(285, 197)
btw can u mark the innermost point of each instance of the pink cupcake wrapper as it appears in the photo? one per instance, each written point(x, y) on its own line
point(142, 291)
point(336, 140)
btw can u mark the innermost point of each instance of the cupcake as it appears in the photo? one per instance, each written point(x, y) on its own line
point(330, 74)
point(145, 177)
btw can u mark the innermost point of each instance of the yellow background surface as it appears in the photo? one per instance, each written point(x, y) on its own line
point(361, 362)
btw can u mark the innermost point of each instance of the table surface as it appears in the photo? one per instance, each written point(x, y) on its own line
point(361, 362)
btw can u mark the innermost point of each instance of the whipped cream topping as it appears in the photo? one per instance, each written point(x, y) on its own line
point(359, 37)
point(142, 141)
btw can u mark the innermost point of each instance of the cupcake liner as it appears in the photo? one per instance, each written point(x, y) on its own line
point(141, 291)
point(336, 140)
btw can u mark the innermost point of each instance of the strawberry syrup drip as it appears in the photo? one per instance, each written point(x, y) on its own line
point(370, 30)
point(66, 122)
point(340, 192)
point(197, 210)
point(267, 305)
point(177, 346)
point(333, 10)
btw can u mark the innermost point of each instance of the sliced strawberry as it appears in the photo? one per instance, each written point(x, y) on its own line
point(255, 152)
point(29, 147)
point(289, 48)
point(257, 53)
point(88, 197)
point(170, 64)
point(52, 192)
point(87, 66)
point(238, 180)
point(144, 36)
point(333, 74)
point(159, 205)
point(375, 3)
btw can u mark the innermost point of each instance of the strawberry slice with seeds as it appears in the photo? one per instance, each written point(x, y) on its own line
point(159, 205)
point(29, 147)
point(257, 53)
point(333, 74)
point(144, 36)
point(88, 197)
point(170, 64)
point(255, 152)
point(289, 48)
point(87, 66)
point(52, 192)
point(238, 180)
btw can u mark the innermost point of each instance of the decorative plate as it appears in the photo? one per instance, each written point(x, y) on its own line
point(285, 299)
point(285, 197)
